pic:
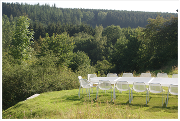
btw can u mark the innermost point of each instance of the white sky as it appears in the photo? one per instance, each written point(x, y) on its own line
point(169, 6)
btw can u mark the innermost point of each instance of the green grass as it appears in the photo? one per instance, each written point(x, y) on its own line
point(66, 104)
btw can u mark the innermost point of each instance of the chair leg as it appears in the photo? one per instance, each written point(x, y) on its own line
point(131, 95)
point(89, 93)
point(86, 92)
point(167, 99)
point(96, 92)
point(162, 98)
point(146, 97)
point(79, 91)
point(114, 94)
point(111, 94)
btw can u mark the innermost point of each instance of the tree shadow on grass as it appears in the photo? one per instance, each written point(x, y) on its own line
point(159, 107)
point(75, 98)
point(103, 99)
point(173, 109)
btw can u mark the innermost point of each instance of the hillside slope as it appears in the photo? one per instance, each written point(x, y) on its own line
point(46, 14)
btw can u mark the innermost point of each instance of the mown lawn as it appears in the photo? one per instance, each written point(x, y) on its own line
point(66, 104)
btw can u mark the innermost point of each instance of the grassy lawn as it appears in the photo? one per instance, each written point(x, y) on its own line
point(66, 104)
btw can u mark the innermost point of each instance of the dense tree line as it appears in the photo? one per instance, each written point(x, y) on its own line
point(38, 58)
point(41, 30)
point(47, 14)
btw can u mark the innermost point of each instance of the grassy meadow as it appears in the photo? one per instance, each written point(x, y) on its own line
point(66, 104)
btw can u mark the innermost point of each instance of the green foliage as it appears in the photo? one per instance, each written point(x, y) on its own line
point(83, 42)
point(99, 43)
point(21, 81)
point(16, 81)
point(112, 33)
point(125, 54)
point(79, 61)
point(163, 45)
point(7, 32)
point(20, 46)
point(104, 67)
point(47, 14)
point(61, 45)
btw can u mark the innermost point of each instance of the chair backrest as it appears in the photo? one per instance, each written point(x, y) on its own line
point(155, 87)
point(139, 86)
point(79, 77)
point(122, 85)
point(105, 84)
point(145, 75)
point(175, 76)
point(112, 75)
point(91, 76)
point(127, 75)
point(173, 89)
point(83, 82)
point(162, 75)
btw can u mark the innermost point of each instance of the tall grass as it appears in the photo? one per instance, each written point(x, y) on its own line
point(66, 104)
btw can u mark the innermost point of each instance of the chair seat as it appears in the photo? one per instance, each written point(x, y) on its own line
point(87, 86)
point(155, 88)
point(122, 85)
point(139, 90)
point(105, 88)
point(104, 85)
point(155, 91)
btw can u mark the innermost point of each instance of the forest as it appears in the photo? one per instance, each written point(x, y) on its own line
point(46, 48)
point(46, 14)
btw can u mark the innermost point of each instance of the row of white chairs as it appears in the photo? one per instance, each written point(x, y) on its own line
point(124, 86)
point(161, 75)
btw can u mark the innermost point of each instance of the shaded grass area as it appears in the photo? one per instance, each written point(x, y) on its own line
point(67, 105)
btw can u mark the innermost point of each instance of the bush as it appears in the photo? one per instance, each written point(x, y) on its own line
point(104, 67)
point(16, 83)
point(22, 81)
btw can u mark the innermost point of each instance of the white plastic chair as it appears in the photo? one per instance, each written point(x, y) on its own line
point(89, 80)
point(145, 75)
point(175, 76)
point(155, 88)
point(84, 84)
point(173, 89)
point(127, 75)
point(79, 77)
point(123, 86)
point(104, 85)
point(162, 75)
point(139, 87)
point(112, 75)
point(91, 76)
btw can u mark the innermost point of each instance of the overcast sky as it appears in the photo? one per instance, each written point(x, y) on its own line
point(169, 6)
